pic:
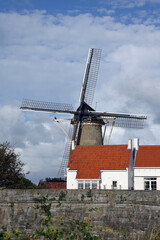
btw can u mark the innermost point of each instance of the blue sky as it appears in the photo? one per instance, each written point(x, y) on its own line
point(44, 47)
point(117, 8)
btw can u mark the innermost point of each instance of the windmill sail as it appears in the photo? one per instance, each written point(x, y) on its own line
point(88, 86)
point(90, 76)
point(34, 105)
point(121, 119)
point(124, 122)
point(63, 168)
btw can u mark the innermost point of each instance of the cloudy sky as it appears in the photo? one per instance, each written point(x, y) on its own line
point(43, 51)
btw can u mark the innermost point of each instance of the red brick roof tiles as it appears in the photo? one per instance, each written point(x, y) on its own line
point(148, 156)
point(52, 185)
point(89, 160)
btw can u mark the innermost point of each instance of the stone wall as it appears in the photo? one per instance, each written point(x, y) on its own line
point(113, 214)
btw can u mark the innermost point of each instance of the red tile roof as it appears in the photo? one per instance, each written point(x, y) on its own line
point(52, 185)
point(148, 156)
point(89, 160)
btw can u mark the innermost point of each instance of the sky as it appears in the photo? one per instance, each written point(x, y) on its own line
point(43, 51)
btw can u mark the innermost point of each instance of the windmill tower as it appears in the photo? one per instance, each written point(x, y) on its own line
point(86, 124)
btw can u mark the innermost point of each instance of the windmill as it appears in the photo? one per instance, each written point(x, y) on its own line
point(86, 124)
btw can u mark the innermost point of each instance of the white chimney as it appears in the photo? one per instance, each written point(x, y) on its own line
point(73, 145)
point(136, 143)
point(129, 144)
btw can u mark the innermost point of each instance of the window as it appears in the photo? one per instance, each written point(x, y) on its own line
point(87, 185)
point(114, 184)
point(150, 183)
point(154, 185)
point(146, 185)
point(80, 185)
point(94, 185)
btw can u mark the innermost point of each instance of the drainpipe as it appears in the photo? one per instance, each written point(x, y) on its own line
point(134, 152)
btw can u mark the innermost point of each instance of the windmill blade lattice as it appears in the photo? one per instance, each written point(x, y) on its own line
point(90, 76)
point(121, 119)
point(28, 104)
point(63, 168)
point(124, 122)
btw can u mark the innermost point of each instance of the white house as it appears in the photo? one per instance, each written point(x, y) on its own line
point(114, 167)
point(147, 168)
point(100, 167)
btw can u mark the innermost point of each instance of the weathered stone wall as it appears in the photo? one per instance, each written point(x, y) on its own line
point(113, 214)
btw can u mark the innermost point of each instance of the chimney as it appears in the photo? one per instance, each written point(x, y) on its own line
point(136, 144)
point(72, 145)
point(129, 144)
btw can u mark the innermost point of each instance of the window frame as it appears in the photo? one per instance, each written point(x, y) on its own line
point(88, 184)
point(94, 183)
point(80, 183)
point(152, 183)
point(114, 184)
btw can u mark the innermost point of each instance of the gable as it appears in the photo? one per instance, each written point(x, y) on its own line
point(89, 160)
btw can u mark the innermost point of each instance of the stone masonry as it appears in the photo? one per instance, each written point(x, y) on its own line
point(113, 214)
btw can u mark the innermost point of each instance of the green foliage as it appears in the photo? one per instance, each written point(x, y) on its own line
point(93, 209)
point(62, 196)
point(155, 234)
point(82, 197)
point(43, 185)
point(89, 194)
point(4, 235)
point(11, 169)
point(75, 230)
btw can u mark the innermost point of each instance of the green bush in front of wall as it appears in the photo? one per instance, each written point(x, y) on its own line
point(49, 230)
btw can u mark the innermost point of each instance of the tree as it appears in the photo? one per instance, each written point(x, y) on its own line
point(11, 169)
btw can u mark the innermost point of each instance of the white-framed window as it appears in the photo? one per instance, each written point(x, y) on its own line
point(80, 184)
point(114, 184)
point(94, 184)
point(87, 184)
point(150, 183)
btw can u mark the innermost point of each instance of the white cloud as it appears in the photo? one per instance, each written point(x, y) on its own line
point(139, 75)
point(106, 11)
point(126, 3)
point(38, 140)
point(43, 57)
point(130, 3)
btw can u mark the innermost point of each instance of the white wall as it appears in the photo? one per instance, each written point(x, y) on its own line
point(71, 179)
point(108, 176)
point(141, 173)
point(138, 183)
point(106, 179)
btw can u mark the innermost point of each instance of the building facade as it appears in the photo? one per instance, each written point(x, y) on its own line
point(114, 167)
point(100, 167)
point(147, 168)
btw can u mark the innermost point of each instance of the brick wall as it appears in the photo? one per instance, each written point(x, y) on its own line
point(52, 185)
